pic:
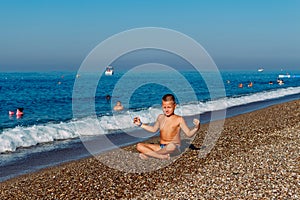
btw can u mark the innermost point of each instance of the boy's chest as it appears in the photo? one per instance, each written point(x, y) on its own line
point(170, 126)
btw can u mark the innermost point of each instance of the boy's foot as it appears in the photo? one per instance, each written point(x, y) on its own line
point(165, 157)
point(143, 156)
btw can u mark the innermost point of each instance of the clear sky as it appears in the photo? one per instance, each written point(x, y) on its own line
point(38, 35)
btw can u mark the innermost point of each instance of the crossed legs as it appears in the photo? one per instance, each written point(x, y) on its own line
point(154, 150)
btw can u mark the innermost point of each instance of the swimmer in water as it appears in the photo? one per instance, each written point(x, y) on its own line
point(19, 112)
point(118, 106)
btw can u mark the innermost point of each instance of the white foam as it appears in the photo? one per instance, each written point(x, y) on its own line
point(224, 103)
point(13, 138)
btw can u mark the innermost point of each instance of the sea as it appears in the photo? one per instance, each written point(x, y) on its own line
point(63, 109)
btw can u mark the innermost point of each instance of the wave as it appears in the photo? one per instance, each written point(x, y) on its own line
point(13, 138)
point(224, 103)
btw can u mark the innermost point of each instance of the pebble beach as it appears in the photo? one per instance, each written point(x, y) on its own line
point(257, 156)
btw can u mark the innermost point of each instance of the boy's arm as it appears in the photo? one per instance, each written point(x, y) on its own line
point(149, 128)
point(190, 132)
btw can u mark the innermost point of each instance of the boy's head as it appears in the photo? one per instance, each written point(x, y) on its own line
point(168, 104)
point(168, 97)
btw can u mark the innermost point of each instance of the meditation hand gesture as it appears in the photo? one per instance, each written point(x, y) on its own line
point(196, 122)
point(137, 121)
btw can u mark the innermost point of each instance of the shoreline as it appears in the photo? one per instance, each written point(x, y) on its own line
point(256, 156)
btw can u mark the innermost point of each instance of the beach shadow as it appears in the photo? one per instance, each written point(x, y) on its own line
point(193, 147)
point(186, 143)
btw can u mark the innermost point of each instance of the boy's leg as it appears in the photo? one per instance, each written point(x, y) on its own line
point(150, 150)
point(168, 149)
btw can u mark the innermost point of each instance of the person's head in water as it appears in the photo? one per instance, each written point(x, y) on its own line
point(118, 106)
point(168, 104)
point(107, 97)
point(19, 112)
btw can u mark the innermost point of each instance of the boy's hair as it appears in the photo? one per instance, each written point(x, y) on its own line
point(168, 97)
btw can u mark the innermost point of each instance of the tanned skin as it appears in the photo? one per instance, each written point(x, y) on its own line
point(169, 125)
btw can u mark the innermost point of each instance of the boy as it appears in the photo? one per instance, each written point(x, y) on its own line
point(169, 125)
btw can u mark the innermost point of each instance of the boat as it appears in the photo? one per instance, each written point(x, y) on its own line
point(284, 76)
point(109, 71)
point(260, 70)
point(288, 76)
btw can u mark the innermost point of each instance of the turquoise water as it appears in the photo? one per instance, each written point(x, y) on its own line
point(48, 100)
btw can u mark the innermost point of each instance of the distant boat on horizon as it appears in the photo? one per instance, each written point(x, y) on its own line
point(288, 76)
point(109, 71)
point(260, 70)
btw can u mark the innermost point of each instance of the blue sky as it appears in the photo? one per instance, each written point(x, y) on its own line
point(38, 35)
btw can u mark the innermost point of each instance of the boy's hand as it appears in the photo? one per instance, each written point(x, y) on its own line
point(196, 122)
point(137, 121)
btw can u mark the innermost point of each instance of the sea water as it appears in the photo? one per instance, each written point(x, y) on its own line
point(58, 113)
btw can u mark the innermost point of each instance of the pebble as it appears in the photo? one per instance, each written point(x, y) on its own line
point(256, 157)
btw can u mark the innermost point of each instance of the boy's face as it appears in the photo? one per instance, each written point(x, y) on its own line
point(168, 107)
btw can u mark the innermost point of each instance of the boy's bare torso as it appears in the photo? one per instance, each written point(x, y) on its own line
point(169, 129)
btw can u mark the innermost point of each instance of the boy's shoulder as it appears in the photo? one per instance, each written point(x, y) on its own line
point(177, 116)
point(160, 116)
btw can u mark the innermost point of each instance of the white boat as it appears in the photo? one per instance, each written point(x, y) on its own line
point(260, 69)
point(109, 71)
point(284, 76)
point(288, 76)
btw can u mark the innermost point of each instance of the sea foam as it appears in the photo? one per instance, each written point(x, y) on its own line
point(13, 138)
